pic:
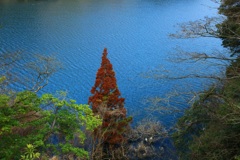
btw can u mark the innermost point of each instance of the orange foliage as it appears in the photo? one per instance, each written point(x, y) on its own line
point(106, 102)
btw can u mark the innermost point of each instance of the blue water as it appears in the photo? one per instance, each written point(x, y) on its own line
point(134, 31)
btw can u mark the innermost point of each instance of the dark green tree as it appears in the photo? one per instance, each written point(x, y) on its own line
point(229, 29)
point(210, 128)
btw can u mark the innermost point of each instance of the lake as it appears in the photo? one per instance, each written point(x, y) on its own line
point(135, 32)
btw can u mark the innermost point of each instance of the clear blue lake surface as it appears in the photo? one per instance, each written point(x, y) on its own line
point(136, 34)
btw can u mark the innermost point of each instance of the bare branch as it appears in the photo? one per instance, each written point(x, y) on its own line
point(26, 71)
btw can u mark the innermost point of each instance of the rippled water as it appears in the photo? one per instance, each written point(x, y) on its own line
point(134, 31)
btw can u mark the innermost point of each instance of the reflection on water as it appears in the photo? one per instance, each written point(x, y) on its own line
point(134, 31)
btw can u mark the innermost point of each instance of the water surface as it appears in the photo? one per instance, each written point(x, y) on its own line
point(134, 31)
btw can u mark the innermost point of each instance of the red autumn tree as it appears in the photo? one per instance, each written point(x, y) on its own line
point(106, 102)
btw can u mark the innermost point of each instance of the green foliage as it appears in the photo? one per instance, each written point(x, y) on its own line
point(210, 128)
point(23, 122)
point(2, 79)
point(47, 125)
point(68, 148)
point(67, 122)
point(30, 153)
point(229, 29)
